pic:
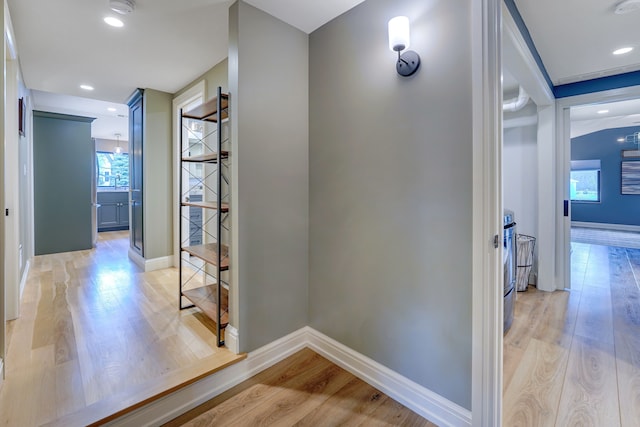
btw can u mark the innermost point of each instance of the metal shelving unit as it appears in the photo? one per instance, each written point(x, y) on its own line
point(204, 205)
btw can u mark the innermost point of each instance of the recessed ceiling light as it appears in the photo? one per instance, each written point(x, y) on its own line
point(86, 87)
point(113, 110)
point(603, 111)
point(114, 22)
point(622, 50)
point(627, 6)
point(123, 7)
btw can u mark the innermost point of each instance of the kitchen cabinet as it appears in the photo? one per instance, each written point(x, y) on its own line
point(113, 210)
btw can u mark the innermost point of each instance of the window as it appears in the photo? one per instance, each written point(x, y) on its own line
point(585, 180)
point(112, 169)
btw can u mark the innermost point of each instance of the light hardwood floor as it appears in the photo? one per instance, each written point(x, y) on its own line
point(96, 337)
point(303, 390)
point(573, 358)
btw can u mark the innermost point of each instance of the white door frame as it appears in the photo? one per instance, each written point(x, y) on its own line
point(523, 66)
point(197, 92)
point(11, 199)
point(563, 129)
point(487, 296)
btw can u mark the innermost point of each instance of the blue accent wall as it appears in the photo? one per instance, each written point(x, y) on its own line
point(613, 208)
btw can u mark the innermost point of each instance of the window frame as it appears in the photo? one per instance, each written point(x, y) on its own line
point(113, 186)
point(598, 185)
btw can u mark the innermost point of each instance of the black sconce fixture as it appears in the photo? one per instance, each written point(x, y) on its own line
point(409, 61)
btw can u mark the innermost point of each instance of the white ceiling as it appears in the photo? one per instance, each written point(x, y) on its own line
point(576, 38)
point(587, 119)
point(165, 44)
point(571, 50)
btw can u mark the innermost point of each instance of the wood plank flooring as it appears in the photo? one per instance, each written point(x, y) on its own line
point(572, 358)
point(96, 336)
point(303, 390)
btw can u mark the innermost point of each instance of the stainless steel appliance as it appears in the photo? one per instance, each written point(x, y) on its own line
point(509, 261)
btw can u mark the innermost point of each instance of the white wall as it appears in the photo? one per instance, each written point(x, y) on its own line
point(520, 172)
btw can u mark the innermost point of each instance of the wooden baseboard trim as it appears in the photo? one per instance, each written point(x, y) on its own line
point(419, 399)
point(603, 226)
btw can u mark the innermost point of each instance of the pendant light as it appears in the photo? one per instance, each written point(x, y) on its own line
point(118, 149)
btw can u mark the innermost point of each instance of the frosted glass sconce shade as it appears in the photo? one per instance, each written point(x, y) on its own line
point(399, 40)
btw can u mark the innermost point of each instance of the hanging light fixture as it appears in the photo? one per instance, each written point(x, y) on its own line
point(399, 40)
point(118, 149)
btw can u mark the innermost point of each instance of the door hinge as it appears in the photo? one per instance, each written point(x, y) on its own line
point(6, 212)
point(496, 241)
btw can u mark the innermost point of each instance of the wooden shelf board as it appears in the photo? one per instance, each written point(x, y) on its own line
point(207, 205)
point(208, 110)
point(207, 253)
point(204, 298)
point(205, 158)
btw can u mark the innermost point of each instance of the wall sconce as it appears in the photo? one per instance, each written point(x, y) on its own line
point(409, 61)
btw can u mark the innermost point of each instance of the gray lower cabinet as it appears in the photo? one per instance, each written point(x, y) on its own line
point(113, 210)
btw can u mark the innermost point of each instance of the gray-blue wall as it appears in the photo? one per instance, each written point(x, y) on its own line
point(614, 207)
point(62, 181)
point(391, 213)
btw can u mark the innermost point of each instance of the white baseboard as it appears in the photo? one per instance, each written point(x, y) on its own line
point(603, 226)
point(175, 404)
point(150, 264)
point(419, 399)
point(158, 263)
point(415, 397)
point(25, 275)
point(231, 339)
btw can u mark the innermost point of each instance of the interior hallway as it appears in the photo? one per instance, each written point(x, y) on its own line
point(572, 358)
point(96, 335)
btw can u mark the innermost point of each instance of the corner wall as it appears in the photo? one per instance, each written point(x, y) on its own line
point(269, 101)
point(391, 191)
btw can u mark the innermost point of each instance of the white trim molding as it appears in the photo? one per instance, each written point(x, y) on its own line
point(231, 339)
point(563, 146)
point(25, 276)
point(414, 396)
point(486, 278)
point(195, 93)
point(419, 399)
point(603, 226)
point(150, 264)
